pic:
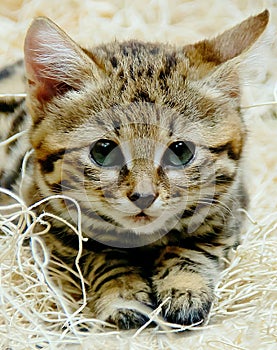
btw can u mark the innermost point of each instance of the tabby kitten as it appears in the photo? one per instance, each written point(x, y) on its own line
point(147, 138)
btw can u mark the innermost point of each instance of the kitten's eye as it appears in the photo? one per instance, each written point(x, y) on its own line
point(106, 153)
point(179, 154)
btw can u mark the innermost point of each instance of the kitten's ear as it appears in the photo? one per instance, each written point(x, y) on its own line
point(228, 45)
point(54, 62)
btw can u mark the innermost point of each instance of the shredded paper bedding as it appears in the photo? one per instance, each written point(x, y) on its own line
point(34, 313)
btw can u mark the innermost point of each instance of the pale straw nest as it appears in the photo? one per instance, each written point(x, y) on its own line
point(34, 313)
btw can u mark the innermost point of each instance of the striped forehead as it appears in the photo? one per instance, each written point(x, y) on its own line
point(140, 131)
point(141, 141)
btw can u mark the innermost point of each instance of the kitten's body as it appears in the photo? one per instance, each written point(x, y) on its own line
point(158, 230)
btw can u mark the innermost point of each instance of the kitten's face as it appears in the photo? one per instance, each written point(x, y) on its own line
point(141, 135)
point(139, 174)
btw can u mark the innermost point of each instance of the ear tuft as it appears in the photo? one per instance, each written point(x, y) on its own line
point(212, 60)
point(229, 44)
point(54, 62)
point(239, 39)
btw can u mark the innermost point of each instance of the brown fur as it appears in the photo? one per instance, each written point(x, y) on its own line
point(157, 233)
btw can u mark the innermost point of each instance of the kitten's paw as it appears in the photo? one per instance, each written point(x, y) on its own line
point(124, 302)
point(186, 301)
point(125, 314)
point(186, 307)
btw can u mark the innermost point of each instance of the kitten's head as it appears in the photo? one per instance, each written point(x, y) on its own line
point(138, 133)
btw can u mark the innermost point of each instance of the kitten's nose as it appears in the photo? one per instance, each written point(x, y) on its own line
point(142, 200)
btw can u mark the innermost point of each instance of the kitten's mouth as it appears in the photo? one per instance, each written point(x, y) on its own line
point(142, 217)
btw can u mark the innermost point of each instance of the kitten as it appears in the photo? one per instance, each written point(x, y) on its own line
point(147, 138)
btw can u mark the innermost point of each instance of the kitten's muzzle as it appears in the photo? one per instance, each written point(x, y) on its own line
point(142, 200)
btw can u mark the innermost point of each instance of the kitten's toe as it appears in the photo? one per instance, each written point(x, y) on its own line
point(128, 319)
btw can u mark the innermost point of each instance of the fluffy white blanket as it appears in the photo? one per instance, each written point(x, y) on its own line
point(33, 314)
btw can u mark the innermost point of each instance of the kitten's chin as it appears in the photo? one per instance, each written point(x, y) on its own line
point(146, 224)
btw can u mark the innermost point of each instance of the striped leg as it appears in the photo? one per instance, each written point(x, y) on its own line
point(114, 284)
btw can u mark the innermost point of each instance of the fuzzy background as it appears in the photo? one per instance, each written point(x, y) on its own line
point(33, 314)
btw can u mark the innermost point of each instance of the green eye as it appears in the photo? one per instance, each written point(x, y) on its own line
point(106, 153)
point(179, 154)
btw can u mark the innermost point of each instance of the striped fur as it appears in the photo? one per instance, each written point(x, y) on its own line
point(157, 232)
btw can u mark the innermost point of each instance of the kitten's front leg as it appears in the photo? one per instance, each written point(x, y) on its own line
point(114, 284)
point(186, 278)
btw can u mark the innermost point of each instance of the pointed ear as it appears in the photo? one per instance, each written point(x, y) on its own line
point(218, 62)
point(209, 53)
point(54, 62)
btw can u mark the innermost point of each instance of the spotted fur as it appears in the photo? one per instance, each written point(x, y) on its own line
point(156, 233)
